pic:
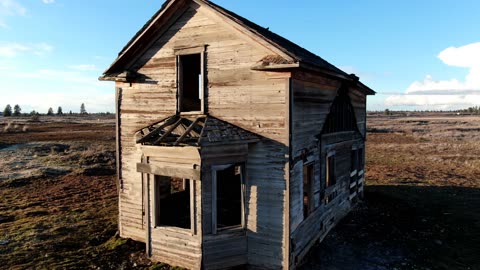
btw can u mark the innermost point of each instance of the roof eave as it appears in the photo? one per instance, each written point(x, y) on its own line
point(141, 33)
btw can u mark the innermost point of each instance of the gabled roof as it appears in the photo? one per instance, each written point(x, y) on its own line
point(193, 130)
point(298, 56)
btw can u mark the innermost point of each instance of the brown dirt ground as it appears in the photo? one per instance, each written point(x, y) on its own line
point(420, 209)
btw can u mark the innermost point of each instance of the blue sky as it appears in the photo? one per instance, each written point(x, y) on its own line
point(415, 54)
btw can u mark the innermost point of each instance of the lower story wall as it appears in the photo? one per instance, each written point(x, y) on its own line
point(331, 203)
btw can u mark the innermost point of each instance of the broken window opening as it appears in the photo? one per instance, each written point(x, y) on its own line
point(330, 178)
point(190, 82)
point(307, 190)
point(228, 196)
point(172, 202)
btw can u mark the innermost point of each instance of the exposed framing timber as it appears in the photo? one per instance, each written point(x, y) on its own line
point(185, 134)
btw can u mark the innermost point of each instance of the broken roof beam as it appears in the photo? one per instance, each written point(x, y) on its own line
point(158, 129)
point(168, 132)
point(185, 134)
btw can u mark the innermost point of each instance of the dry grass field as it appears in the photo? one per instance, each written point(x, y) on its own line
point(421, 208)
point(58, 207)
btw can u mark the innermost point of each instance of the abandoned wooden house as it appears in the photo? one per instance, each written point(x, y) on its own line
point(235, 146)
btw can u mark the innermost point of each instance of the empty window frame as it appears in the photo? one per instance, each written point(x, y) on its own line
point(330, 175)
point(308, 176)
point(172, 199)
point(227, 196)
point(190, 79)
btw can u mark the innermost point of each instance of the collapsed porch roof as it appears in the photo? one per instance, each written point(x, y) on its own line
point(193, 130)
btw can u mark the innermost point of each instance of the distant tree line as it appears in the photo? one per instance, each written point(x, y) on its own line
point(469, 110)
point(17, 111)
point(472, 110)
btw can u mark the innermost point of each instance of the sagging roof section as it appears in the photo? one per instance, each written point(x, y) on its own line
point(193, 130)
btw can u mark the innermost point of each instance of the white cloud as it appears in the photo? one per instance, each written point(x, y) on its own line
point(446, 93)
point(442, 101)
point(84, 67)
point(14, 49)
point(9, 8)
point(48, 1)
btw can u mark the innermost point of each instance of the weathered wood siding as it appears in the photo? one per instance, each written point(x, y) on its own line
point(266, 195)
point(312, 97)
point(253, 100)
point(359, 102)
point(226, 248)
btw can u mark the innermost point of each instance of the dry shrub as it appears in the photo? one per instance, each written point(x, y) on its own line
point(35, 118)
point(97, 155)
point(8, 128)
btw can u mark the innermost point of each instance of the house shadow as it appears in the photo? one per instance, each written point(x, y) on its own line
point(405, 227)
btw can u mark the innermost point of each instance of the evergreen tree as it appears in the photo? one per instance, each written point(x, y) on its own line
point(17, 110)
point(59, 111)
point(50, 111)
point(7, 111)
point(82, 109)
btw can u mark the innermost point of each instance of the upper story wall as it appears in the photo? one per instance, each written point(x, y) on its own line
point(312, 96)
point(254, 100)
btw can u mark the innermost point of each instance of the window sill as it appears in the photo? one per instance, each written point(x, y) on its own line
point(192, 113)
point(230, 229)
point(173, 229)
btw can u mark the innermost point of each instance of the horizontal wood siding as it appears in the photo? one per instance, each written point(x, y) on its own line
point(326, 215)
point(266, 192)
point(313, 95)
point(312, 98)
point(359, 102)
point(225, 250)
point(253, 100)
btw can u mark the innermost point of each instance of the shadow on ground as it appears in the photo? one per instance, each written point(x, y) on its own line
point(405, 227)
